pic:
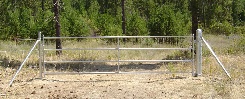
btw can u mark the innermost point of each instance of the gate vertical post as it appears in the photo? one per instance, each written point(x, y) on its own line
point(40, 59)
point(193, 55)
point(118, 55)
point(198, 52)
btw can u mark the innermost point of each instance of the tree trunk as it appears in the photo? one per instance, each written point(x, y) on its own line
point(43, 5)
point(123, 19)
point(194, 13)
point(57, 26)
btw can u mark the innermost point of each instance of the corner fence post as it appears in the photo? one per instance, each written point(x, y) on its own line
point(198, 52)
point(40, 56)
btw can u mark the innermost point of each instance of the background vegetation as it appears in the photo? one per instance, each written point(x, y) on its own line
point(24, 18)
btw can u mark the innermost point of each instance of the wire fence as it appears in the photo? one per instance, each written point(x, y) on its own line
point(224, 44)
point(228, 50)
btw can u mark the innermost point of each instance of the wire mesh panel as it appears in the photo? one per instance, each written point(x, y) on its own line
point(227, 50)
point(118, 54)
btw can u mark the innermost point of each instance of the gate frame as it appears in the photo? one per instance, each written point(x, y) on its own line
point(42, 54)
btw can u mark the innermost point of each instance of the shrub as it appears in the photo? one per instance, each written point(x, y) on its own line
point(222, 28)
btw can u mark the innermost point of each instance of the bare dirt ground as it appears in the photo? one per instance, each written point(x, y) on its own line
point(117, 86)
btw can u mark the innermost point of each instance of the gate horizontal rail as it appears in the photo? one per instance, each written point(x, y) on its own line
point(74, 73)
point(119, 49)
point(118, 61)
point(116, 37)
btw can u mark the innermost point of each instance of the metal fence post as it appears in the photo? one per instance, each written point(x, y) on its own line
point(199, 52)
point(40, 56)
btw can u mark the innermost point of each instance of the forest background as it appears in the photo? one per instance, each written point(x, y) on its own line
point(24, 18)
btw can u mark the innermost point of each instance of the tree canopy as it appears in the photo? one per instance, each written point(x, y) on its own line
point(24, 18)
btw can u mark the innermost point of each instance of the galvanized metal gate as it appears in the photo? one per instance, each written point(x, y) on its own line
point(116, 44)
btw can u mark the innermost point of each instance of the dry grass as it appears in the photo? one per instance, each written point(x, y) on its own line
point(213, 83)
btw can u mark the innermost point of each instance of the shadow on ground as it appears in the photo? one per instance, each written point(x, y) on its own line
point(100, 67)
